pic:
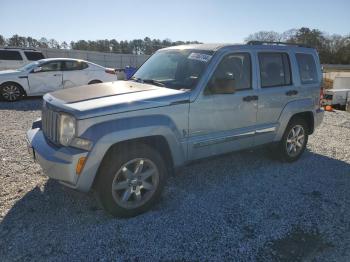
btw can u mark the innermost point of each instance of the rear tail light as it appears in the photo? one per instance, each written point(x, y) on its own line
point(110, 71)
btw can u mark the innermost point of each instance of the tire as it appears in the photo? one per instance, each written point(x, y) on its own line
point(130, 180)
point(94, 82)
point(11, 92)
point(292, 146)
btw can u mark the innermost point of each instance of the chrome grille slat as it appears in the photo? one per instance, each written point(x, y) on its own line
point(50, 124)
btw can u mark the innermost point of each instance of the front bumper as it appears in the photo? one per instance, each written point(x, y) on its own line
point(57, 162)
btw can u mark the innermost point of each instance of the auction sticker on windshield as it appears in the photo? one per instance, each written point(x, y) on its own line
point(199, 57)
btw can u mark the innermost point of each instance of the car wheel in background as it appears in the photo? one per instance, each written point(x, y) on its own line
point(11, 92)
point(94, 82)
point(131, 179)
point(294, 140)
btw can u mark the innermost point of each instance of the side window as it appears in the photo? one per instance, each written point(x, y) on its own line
point(274, 69)
point(74, 65)
point(233, 74)
point(307, 68)
point(10, 55)
point(33, 56)
point(51, 66)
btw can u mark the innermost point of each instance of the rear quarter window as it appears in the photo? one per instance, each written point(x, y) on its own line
point(10, 55)
point(33, 56)
point(307, 68)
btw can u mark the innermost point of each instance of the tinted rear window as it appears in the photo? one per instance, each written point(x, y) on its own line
point(33, 56)
point(274, 69)
point(307, 68)
point(10, 55)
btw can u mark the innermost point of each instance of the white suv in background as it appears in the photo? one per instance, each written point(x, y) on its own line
point(47, 75)
point(12, 58)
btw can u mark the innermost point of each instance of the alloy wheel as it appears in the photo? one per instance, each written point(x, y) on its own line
point(295, 140)
point(11, 92)
point(135, 183)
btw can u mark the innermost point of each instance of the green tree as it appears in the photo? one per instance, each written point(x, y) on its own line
point(2, 40)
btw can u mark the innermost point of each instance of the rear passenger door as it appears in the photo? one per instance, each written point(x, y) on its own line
point(277, 88)
point(75, 73)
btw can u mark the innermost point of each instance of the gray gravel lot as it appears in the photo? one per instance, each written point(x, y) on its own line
point(241, 206)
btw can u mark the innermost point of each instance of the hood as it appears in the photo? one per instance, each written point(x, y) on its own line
point(114, 97)
point(9, 72)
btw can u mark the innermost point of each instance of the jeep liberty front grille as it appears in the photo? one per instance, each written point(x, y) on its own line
point(49, 120)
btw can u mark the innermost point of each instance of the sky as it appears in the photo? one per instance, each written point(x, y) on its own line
point(206, 21)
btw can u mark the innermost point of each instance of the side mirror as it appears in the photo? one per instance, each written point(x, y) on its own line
point(37, 69)
point(223, 85)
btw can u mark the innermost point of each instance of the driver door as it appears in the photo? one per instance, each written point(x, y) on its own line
point(46, 78)
point(223, 117)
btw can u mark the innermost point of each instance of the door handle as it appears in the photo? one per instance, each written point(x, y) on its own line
point(57, 75)
point(291, 92)
point(250, 98)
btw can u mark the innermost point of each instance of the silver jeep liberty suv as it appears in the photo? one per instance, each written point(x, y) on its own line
point(122, 139)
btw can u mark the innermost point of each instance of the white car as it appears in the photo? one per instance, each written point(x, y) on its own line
point(52, 74)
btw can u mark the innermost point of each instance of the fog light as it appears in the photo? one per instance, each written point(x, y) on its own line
point(80, 165)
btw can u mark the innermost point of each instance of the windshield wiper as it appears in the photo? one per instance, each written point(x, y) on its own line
point(153, 82)
point(147, 81)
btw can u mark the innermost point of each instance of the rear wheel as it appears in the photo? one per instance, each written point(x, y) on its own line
point(131, 180)
point(11, 92)
point(294, 140)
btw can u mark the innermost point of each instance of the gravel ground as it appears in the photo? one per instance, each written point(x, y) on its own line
point(242, 206)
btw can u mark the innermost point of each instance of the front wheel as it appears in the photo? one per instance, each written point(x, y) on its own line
point(294, 140)
point(131, 180)
point(11, 92)
point(94, 82)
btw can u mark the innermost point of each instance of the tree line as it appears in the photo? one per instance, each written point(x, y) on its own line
point(333, 49)
point(145, 46)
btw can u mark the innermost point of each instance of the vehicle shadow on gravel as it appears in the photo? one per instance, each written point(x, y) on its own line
point(27, 104)
point(241, 205)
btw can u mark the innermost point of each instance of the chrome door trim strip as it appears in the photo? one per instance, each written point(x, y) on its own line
point(266, 130)
point(233, 137)
point(223, 139)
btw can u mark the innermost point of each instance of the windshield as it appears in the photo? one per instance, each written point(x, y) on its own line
point(28, 67)
point(178, 69)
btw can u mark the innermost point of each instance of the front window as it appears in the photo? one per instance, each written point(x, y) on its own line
point(178, 69)
point(29, 67)
point(232, 74)
point(51, 66)
point(10, 55)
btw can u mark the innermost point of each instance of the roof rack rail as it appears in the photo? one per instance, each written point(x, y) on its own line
point(21, 48)
point(276, 43)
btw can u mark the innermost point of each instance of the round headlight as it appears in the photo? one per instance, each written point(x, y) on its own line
point(67, 129)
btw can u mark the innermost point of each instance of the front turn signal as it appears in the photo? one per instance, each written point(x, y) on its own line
point(80, 165)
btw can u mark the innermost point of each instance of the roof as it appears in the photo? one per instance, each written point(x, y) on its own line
point(63, 59)
point(209, 47)
point(216, 46)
